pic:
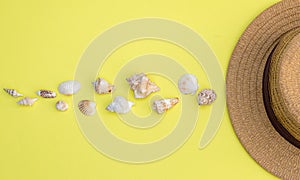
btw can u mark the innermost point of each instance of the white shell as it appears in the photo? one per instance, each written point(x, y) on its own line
point(206, 96)
point(12, 92)
point(101, 86)
point(141, 85)
point(120, 105)
point(87, 107)
point(188, 84)
point(69, 87)
point(27, 101)
point(162, 105)
point(61, 106)
point(46, 93)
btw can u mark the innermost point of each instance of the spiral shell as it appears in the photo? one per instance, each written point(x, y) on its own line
point(87, 107)
point(120, 105)
point(61, 106)
point(12, 92)
point(101, 86)
point(188, 84)
point(27, 101)
point(206, 96)
point(141, 85)
point(69, 87)
point(46, 94)
point(162, 105)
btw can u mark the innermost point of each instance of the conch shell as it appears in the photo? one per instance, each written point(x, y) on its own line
point(46, 94)
point(102, 86)
point(27, 101)
point(13, 92)
point(188, 84)
point(162, 105)
point(87, 107)
point(120, 105)
point(206, 96)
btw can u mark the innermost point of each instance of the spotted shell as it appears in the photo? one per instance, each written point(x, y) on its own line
point(12, 92)
point(120, 105)
point(101, 86)
point(87, 107)
point(46, 93)
point(206, 96)
point(188, 84)
point(162, 105)
point(69, 87)
point(61, 106)
point(27, 101)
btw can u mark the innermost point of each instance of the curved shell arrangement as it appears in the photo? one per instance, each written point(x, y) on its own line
point(12, 92)
point(101, 86)
point(162, 105)
point(188, 84)
point(46, 94)
point(120, 105)
point(206, 96)
point(87, 107)
point(69, 87)
point(141, 85)
point(27, 101)
point(61, 106)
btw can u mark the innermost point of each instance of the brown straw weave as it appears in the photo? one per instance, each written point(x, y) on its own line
point(245, 98)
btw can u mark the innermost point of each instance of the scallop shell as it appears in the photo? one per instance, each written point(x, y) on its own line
point(120, 105)
point(141, 85)
point(46, 93)
point(12, 92)
point(188, 84)
point(61, 106)
point(206, 96)
point(69, 87)
point(162, 105)
point(27, 101)
point(87, 107)
point(102, 86)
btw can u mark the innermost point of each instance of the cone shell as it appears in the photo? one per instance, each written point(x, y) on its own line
point(46, 94)
point(13, 92)
point(141, 85)
point(87, 107)
point(27, 101)
point(61, 106)
point(188, 84)
point(101, 86)
point(69, 87)
point(162, 105)
point(206, 96)
point(120, 105)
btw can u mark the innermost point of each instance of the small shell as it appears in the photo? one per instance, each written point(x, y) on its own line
point(46, 94)
point(141, 85)
point(27, 101)
point(87, 107)
point(188, 84)
point(120, 105)
point(162, 105)
point(206, 96)
point(13, 92)
point(62, 106)
point(69, 87)
point(102, 86)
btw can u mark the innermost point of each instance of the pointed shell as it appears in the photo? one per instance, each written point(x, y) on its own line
point(162, 105)
point(120, 105)
point(27, 101)
point(141, 85)
point(12, 92)
point(69, 87)
point(206, 96)
point(188, 84)
point(61, 106)
point(87, 107)
point(46, 93)
point(101, 86)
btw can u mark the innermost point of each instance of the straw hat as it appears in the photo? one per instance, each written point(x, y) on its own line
point(263, 89)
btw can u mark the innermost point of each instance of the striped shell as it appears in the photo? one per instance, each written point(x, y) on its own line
point(87, 107)
point(101, 86)
point(206, 96)
point(120, 105)
point(46, 94)
point(61, 106)
point(69, 87)
point(188, 84)
point(12, 92)
point(27, 101)
point(162, 105)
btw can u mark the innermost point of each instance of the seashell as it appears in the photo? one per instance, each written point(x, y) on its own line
point(62, 106)
point(206, 96)
point(188, 84)
point(102, 86)
point(27, 101)
point(69, 87)
point(12, 92)
point(120, 105)
point(46, 94)
point(141, 85)
point(87, 107)
point(162, 105)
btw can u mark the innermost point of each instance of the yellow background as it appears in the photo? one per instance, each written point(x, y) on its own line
point(41, 43)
